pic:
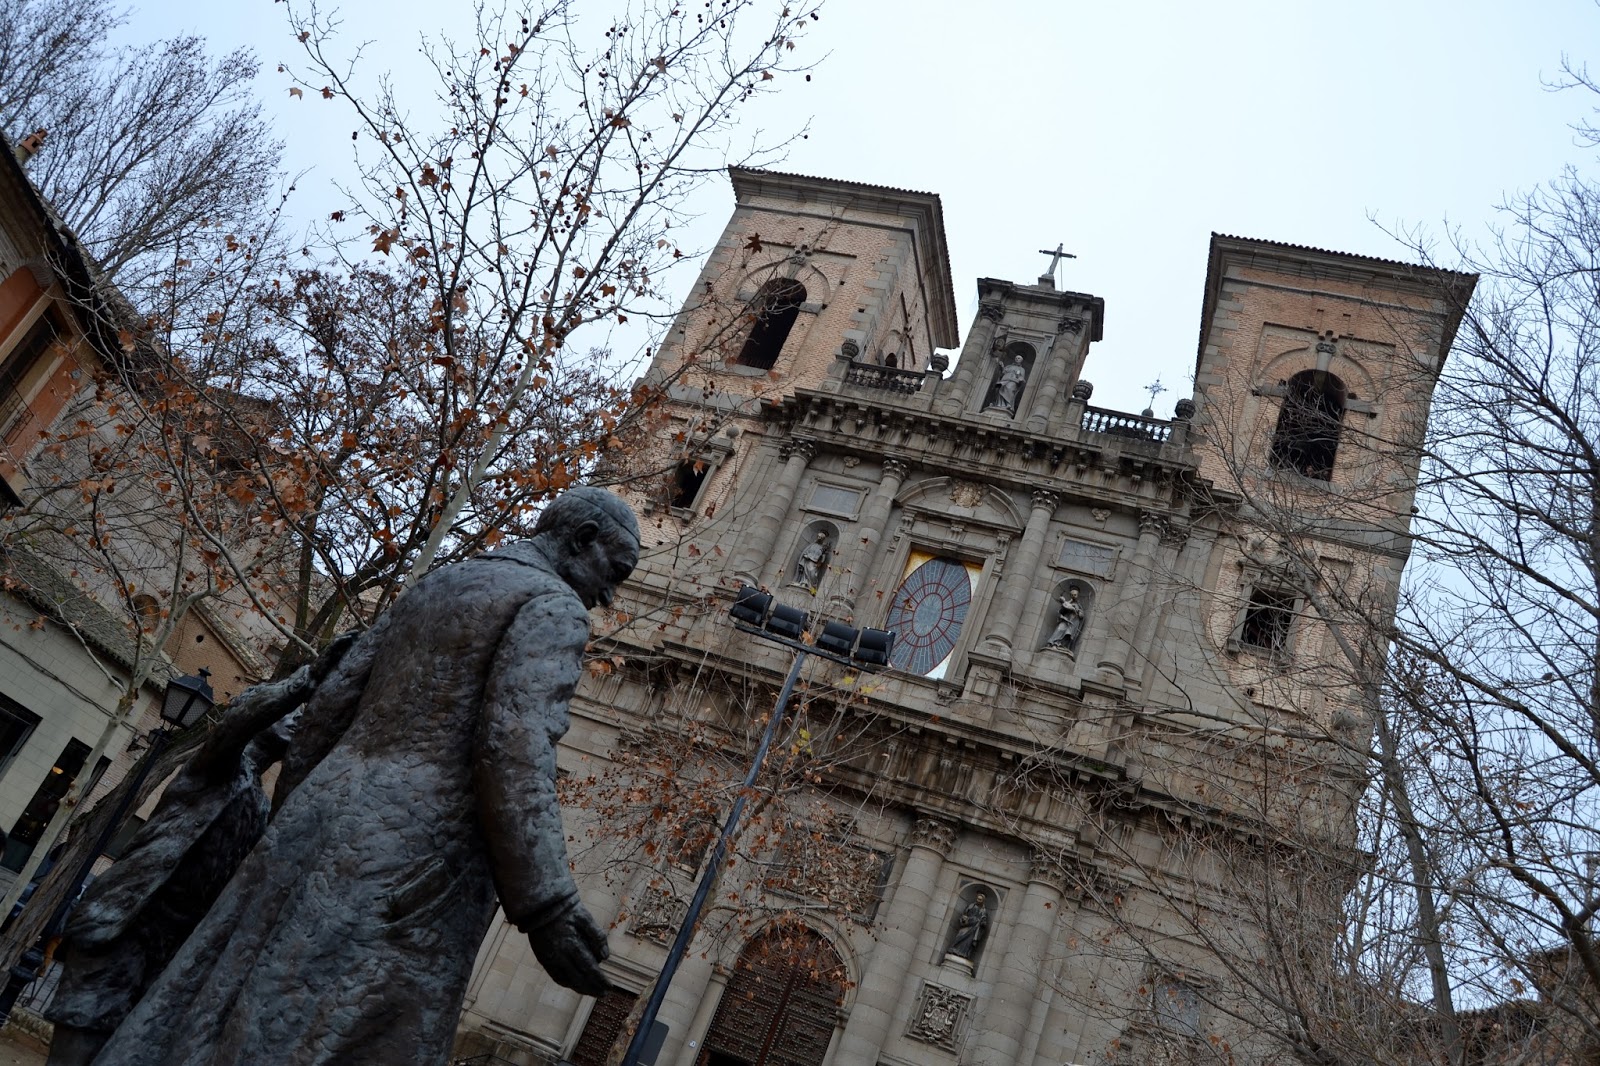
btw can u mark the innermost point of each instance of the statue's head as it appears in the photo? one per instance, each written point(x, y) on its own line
point(271, 744)
point(593, 538)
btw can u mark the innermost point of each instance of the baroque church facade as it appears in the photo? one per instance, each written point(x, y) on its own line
point(1124, 705)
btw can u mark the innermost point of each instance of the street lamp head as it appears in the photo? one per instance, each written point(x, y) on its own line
point(875, 647)
point(188, 699)
point(750, 606)
point(837, 638)
point(786, 621)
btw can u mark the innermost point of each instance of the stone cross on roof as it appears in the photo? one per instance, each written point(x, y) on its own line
point(1055, 257)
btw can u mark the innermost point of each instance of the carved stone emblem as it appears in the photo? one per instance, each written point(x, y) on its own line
point(966, 494)
point(658, 916)
point(940, 1016)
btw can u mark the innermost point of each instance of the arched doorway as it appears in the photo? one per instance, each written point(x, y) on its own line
point(781, 1004)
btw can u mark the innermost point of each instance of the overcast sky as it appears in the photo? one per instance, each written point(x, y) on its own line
point(1128, 131)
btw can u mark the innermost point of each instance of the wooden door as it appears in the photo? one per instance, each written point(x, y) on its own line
point(781, 1004)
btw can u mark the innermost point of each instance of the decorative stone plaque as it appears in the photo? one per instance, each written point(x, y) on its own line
point(1087, 558)
point(831, 499)
point(940, 1016)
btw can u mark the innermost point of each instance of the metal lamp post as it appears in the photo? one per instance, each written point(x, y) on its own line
point(756, 613)
point(187, 700)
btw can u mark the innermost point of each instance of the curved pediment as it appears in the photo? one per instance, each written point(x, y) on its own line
point(972, 501)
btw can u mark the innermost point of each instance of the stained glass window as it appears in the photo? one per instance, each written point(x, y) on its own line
point(927, 612)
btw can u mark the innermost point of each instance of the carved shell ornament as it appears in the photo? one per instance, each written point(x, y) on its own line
point(966, 494)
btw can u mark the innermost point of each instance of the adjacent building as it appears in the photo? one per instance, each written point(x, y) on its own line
point(68, 648)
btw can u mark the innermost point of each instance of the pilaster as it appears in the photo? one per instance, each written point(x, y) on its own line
point(862, 551)
point(974, 357)
point(1006, 609)
point(762, 533)
point(889, 970)
point(1013, 1000)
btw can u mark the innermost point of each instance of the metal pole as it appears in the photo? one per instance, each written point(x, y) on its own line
point(680, 946)
point(27, 967)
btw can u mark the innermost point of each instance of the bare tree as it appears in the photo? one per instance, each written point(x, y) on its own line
point(151, 153)
point(309, 441)
point(539, 204)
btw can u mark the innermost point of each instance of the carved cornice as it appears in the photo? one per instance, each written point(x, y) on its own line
point(935, 834)
point(1003, 456)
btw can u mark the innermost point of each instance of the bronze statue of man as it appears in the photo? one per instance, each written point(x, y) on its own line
point(420, 786)
point(135, 916)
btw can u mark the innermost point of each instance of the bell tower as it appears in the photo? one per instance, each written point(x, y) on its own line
point(813, 281)
point(1313, 380)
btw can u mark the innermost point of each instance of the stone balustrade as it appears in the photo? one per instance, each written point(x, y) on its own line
point(1121, 424)
point(885, 378)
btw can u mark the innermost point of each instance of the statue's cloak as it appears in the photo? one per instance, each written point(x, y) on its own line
point(348, 934)
point(120, 938)
point(134, 917)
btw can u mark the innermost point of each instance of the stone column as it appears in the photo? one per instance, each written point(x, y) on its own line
point(762, 532)
point(1021, 577)
point(1120, 650)
point(695, 1035)
point(974, 358)
point(856, 562)
point(1055, 376)
point(1015, 990)
point(888, 972)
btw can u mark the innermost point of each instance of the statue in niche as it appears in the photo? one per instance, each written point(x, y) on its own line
point(1069, 624)
point(1008, 389)
point(813, 562)
point(971, 926)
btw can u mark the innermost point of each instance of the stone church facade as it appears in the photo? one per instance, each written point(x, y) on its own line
point(1123, 678)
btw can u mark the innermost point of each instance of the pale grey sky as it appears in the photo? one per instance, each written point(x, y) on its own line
point(1128, 131)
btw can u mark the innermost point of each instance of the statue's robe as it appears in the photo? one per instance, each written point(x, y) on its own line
point(135, 916)
point(422, 782)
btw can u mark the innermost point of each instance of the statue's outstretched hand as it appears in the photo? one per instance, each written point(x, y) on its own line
point(571, 949)
point(325, 662)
